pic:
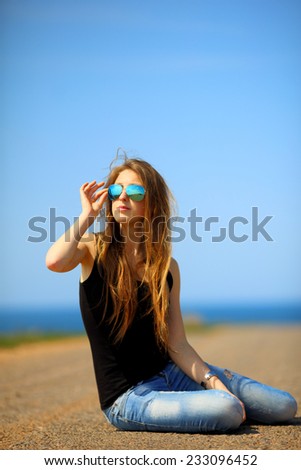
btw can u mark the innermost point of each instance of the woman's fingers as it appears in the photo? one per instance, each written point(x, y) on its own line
point(86, 186)
point(93, 197)
point(97, 195)
point(244, 411)
point(90, 188)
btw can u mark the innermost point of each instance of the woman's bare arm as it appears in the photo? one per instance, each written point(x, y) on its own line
point(180, 351)
point(70, 249)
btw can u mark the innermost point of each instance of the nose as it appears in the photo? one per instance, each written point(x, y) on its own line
point(123, 196)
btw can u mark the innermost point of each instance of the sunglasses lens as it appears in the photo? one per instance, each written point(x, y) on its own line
point(114, 191)
point(135, 192)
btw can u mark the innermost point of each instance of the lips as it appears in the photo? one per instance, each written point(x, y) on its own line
point(123, 208)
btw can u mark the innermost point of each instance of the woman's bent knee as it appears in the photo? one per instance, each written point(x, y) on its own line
point(286, 409)
point(235, 414)
point(229, 413)
point(278, 407)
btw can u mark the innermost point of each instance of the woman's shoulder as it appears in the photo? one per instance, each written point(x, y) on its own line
point(173, 273)
point(92, 242)
point(87, 245)
point(174, 267)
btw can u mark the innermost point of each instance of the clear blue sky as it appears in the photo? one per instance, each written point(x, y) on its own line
point(208, 91)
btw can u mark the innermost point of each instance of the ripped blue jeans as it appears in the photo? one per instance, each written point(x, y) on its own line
point(172, 402)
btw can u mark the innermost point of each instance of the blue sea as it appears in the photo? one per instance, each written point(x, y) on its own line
point(68, 319)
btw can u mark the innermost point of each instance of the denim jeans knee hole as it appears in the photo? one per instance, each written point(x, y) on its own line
point(228, 374)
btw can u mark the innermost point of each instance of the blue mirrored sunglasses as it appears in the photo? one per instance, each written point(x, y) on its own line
point(133, 191)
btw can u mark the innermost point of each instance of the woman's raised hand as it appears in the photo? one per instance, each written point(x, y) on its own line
point(92, 200)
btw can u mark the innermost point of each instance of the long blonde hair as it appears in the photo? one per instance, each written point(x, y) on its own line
point(121, 281)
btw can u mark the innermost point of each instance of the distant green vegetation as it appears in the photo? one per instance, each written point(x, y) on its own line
point(194, 324)
point(198, 327)
point(13, 340)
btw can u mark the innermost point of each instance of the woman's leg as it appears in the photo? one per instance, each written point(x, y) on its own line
point(262, 402)
point(172, 402)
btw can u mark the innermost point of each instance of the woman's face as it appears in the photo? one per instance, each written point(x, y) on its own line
point(123, 208)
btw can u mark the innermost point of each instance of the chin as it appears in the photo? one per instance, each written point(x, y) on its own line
point(121, 218)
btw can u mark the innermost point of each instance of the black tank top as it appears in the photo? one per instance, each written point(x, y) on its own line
point(137, 357)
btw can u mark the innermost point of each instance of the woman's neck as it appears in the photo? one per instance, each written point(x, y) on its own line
point(132, 236)
point(132, 249)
